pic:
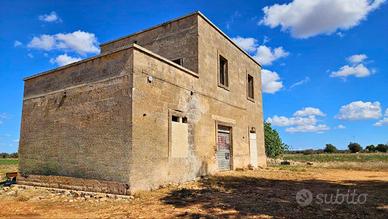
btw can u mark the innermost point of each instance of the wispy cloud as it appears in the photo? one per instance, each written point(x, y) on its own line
point(17, 43)
point(52, 17)
point(3, 116)
point(301, 82)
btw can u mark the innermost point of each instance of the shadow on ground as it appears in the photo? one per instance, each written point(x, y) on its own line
point(231, 196)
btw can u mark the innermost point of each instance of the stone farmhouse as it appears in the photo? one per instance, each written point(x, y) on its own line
point(164, 105)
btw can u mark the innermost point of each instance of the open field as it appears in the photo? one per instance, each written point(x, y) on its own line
point(340, 157)
point(263, 193)
point(360, 161)
point(7, 165)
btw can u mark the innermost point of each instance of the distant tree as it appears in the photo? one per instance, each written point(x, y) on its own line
point(354, 147)
point(382, 148)
point(330, 148)
point(370, 148)
point(308, 151)
point(14, 155)
point(274, 145)
point(7, 155)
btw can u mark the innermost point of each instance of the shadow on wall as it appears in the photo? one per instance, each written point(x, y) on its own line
point(229, 196)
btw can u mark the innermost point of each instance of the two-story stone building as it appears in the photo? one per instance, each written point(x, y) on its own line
point(167, 104)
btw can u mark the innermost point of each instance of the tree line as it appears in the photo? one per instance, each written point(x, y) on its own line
point(9, 155)
point(274, 145)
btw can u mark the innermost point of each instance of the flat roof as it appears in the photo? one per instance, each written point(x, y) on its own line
point(181, 18)
point(131, 46)
point(139, 47)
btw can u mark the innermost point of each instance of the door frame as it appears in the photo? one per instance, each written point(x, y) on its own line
point(231, 126)
point(252, 129)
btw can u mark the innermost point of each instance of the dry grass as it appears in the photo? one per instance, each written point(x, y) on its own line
point(7, 165)
point(262, 193)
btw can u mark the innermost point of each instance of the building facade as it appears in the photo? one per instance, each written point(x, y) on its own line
point(164, 105)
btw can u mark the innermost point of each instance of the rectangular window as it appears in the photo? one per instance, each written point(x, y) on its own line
point(178, 61)
point(250, 87)
point(223, 79)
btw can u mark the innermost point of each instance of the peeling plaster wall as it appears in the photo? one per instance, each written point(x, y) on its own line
point(76, 121)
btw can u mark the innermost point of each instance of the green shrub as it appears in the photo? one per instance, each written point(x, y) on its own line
point(273, 143)
point(330, 148)
point(382, 148)
point(370, 148)
point(354, 147)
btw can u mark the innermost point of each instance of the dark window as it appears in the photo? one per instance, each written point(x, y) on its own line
point(178, 61)
point(250, 88)
point(175, 118)
point(223, 79)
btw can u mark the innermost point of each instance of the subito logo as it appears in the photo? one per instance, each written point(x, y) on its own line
point(304, 197)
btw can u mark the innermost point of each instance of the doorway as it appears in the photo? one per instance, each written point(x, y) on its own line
point(224, 146)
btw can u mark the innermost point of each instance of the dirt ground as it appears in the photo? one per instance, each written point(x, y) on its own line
point(264, 193)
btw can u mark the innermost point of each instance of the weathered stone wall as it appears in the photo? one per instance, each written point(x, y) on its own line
point(172, 40)
point(204, 103)
point(232, 104)
point(169, 89)
point(107, 118)
point(76, 120)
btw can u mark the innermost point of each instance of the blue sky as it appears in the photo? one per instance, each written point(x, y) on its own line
point(325, 61)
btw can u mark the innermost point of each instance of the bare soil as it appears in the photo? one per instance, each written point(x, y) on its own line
point(265, 193)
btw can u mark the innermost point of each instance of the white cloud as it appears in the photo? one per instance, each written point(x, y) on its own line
point(301, 82)
point(360, 110)
point(355, 59)
point(79, 41)
point(270, 81)
point(319, 128)
point(283, 121)
point(304, 120)
point(265, 55)
point(382, 122)
point(52, 17)
point(64, 59)
point(249, 44)
point(340, 126)
point(356, 69)
point(307, 18)
point(17, 43)
point(309, 111)
point(45, 42)
point(30, 55)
